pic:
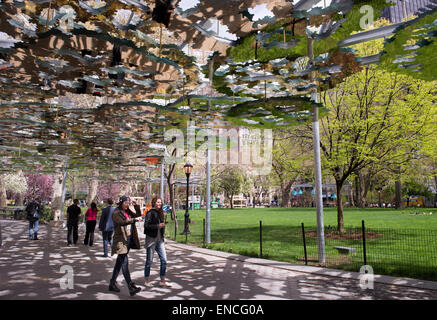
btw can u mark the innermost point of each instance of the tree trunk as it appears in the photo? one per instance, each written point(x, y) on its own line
point(340, 223)
point(366, 182)
point(285, 190)
point(351, 198)
point(361, 203)
point(57, 196)
point(3, 203)
point(285, 199)
point(231, 198)
point(73, 188)
point(399, 204)
point(93, 186)
point(20, 199)
point(357, 191)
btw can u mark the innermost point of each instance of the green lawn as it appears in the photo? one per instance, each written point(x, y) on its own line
point(402, 244)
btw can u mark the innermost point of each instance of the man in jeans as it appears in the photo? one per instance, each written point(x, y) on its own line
point(33, 211)
point(73, 215)
point(106, 225)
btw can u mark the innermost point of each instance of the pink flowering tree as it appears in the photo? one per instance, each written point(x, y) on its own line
point(39, 186)
point(108, 190)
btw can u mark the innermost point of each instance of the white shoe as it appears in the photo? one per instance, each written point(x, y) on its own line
point(148, 284)
point(164, 284)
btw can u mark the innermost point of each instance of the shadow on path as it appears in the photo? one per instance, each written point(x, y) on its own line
point(32, 270)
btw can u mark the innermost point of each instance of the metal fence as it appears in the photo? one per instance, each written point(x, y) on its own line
point(397, 252)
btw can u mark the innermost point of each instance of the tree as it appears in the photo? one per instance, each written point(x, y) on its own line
point(108, 190)
point(290, 161)
point(261, 185)
point(3, 197)
point(16, 185)
point(93, 186)
point(39, 186)
point(375, 118)
point(231, 182)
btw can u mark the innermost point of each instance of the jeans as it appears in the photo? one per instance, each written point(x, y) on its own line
point(72, 233)
point(160, 249)
point(122, 263)
point(33, 228)
point(90, 227)
point(107, 239)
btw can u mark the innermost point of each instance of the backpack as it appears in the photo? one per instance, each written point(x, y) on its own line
point(32, 211)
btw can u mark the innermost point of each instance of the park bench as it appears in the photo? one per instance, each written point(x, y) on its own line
point(15, 213)
point(346, 250)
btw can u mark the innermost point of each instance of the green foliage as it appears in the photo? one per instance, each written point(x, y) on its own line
point(232, 181)
point(375, 116)
point(46, 214)
point(245, 50)
point(412, 187)
point(291, 159)
point(421, 33)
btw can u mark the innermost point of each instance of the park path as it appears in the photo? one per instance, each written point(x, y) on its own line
point(32, 270)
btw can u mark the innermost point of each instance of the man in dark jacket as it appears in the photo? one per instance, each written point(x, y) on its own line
point(73, 215)
point(106, 225)
point(33, 210)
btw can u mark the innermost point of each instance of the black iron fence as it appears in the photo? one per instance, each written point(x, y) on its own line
point(398, 252)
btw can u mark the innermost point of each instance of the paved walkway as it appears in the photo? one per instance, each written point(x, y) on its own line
point(32, 270)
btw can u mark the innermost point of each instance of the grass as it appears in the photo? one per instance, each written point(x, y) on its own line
point(403, 244)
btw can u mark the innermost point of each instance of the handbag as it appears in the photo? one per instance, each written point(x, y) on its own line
point(134, 236)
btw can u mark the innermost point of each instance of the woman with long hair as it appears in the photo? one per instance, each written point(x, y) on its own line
point(125, 238)
point(91, 217)
point(154, 228)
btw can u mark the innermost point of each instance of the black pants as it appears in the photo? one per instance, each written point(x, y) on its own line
point(122, 263)
point(89, 235)
point(72, 233)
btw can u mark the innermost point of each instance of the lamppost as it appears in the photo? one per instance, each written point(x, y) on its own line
point(187, 168)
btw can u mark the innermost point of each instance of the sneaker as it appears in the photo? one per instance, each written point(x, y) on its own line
point(148, 284)
point(69, 245)
point(164, 284)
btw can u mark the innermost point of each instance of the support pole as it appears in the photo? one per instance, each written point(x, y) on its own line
point(162, 181)
point(304, 244)
point(317, 165)
point(203, 232)
point(208, 195)
point(260, 239)
point(208, 164)
point(63, 191)
point(363, 229)
point(192, 196)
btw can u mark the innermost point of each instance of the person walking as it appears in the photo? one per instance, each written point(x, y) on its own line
point(106, 226)
point(154, 229)
point(33, 210)
point(91, 217)
point(125, 238)
point(73, 216)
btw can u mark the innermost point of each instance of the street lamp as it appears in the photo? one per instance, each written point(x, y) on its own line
point(187, 168)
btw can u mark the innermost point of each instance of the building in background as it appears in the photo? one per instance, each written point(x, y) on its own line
point(406, 8)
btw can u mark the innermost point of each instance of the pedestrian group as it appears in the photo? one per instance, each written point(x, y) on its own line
point(119, 232)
